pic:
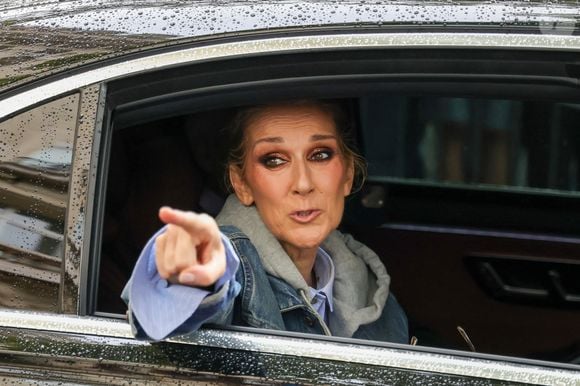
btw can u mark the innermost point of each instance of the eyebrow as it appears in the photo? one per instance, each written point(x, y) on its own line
point(269, 140)
point(321, 137)
point(313, 138)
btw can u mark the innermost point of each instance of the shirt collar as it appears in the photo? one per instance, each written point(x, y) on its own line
point(324, 272)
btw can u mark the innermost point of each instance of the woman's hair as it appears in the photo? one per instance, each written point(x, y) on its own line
point(345, 137)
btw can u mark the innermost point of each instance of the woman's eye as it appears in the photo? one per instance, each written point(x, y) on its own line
point(272, 162)
point(322, 155)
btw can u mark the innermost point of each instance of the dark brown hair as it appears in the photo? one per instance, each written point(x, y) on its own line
point(346, 139)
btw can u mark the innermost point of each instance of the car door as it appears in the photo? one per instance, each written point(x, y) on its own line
point(122, 109)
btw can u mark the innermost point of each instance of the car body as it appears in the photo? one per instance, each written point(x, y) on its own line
point(483, 256)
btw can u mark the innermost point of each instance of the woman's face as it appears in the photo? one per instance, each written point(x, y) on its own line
point(295, 175)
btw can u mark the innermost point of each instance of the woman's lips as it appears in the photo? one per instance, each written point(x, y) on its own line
point(305, 216)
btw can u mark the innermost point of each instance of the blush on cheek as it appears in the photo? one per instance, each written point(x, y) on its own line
point(333, 178)
point(267, 185)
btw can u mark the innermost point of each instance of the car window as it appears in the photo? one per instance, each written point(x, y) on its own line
point(521, 145)
point(35, 161)
point(428, 146)
point(473, 204)
point(169, 151)
point(139, 184)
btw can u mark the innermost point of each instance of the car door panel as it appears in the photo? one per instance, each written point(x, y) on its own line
point(435, 286)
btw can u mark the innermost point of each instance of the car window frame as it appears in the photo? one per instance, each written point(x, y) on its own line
point(418, 363)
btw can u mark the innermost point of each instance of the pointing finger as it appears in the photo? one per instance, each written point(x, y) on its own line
point(193, 223)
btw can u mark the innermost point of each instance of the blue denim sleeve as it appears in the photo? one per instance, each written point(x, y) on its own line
point(158, 309)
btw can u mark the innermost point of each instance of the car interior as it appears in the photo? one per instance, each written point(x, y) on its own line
point(471, 198)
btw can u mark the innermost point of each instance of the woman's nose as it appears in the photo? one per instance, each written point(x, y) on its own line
point(303, 183)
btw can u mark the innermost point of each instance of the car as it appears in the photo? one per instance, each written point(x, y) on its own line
point(466, 112)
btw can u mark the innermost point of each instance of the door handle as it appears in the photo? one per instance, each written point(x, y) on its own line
point(559, 290)
point(524, 280)
point(502, 289)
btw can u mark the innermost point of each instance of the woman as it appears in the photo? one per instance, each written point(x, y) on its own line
point(277, 260)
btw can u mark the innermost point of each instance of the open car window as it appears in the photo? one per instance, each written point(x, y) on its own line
point(470, 199)
point(462, 201)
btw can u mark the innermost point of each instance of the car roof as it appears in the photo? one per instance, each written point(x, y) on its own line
point(43, 37)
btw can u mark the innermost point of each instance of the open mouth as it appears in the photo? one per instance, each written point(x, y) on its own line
point(304, 216)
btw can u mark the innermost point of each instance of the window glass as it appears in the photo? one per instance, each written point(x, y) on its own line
point(35, 161)
point(520, 144)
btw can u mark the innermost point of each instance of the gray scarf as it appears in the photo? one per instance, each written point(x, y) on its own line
point(361, 283)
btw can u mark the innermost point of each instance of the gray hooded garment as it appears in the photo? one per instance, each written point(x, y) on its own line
point(361, 283)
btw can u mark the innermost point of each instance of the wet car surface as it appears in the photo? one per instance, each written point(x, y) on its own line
point(465, 112)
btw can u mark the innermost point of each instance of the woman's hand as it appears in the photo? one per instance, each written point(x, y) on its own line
point(190, 251)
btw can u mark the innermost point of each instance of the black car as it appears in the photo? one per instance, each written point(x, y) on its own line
point(468, 115)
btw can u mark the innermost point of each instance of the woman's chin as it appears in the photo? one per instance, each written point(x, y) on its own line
point(307, 239)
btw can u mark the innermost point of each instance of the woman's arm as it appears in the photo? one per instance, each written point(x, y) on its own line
point(162, 295)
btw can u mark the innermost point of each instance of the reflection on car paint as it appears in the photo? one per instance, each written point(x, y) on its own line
point(35, 164)
point(92, 343)
point(86, 33)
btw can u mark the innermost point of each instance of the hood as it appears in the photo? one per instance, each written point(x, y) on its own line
point(361, 284)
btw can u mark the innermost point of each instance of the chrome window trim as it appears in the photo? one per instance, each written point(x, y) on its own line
point(92, 162)
point(316, 349)
point(80, 202)
point(258, 46)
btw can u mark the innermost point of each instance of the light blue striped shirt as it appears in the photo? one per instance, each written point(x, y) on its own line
point(321, 296)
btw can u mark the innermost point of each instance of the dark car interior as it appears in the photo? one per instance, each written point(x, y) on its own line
point(471, 200)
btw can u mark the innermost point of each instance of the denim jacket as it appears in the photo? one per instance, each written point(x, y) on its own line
point(268, 302)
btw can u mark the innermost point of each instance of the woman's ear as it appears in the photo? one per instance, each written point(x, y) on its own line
point(349, 178)
point(242, 190)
